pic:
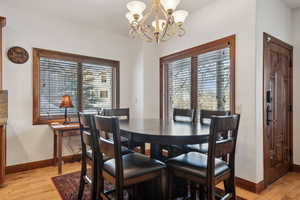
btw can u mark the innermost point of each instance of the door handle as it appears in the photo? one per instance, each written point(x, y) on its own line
point(269, 115)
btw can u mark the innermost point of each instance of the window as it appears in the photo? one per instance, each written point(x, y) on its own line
point(214, 80)
point(199, 78)
point(92, 83)
point(179, 84)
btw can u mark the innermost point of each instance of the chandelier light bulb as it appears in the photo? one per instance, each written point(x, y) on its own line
point(136, 7)
point(161, 24)
point(180, 16)
point(130, 17)
point(170, 4)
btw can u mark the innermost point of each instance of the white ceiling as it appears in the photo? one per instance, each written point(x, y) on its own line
point(106, 14)
point(293, 3)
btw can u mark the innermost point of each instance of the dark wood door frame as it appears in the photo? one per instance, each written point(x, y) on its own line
point(267, 39)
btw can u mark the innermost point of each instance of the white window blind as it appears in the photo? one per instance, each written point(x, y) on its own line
point(179, 84)
point(57, 78)
point(214, 80)
point(97, 86)
point(61, 77)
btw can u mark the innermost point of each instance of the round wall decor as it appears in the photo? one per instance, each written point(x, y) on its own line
point(18, 55)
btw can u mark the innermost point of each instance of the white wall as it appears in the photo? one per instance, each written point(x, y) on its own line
point(274, 18)
point(217, 20)
point(27, 143)
point(296, 41)
point(247, 19)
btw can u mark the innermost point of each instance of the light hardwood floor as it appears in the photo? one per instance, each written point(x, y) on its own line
point(37, 185)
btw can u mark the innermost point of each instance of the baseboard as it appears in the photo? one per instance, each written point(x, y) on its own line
point(296, 168)
point(242, 183)
point(250, 186)
point(39, 164)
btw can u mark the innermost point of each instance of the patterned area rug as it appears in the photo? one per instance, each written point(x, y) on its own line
point(67, 185)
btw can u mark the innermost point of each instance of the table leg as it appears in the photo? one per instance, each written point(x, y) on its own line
point(156, 151)
point(59, 152)
point(54, 148)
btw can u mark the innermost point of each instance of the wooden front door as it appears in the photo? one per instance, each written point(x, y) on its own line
point(277, 108)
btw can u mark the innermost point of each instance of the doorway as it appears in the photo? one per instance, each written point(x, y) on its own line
point(278, 108)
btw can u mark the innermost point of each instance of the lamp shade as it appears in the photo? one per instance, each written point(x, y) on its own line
point(170, 4)
point(131, 19)
point(66, 102)
point(136, 7)
point(180, 16)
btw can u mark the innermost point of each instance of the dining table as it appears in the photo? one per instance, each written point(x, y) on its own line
point(159, 133)
point(163, 132)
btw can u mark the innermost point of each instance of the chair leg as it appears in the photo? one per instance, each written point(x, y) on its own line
point(211, 192)
point(229, 185)
point(119, 193)
point(82, 181)
point(81, 186)
point(201, 192)
point(95, 181)
point(100, 187)
point(170, 185)
point(193, 191)
point(163, 184)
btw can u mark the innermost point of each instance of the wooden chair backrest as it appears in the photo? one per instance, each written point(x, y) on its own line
point(207, 114)
point(111, 148)
point(121, 113)
point(85, 130)
point(184, 115)
point(225, 147)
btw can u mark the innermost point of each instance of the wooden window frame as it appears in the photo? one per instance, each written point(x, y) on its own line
point(2, 25)
point(38, 53)
point(229, 41)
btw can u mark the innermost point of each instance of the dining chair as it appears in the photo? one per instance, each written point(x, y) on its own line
point(208, 170)
point(87, 153)
point(124, 114)
point(180, 115)
point(122, 171)
point(184, 115)
point(205, 119)
point(206, 115)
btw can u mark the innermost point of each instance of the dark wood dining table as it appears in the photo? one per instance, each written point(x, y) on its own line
point(158, 133)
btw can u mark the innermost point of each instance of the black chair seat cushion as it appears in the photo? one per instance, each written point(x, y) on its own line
point(196, 164)
point(134, 165)
point(202, 148)
point(125, 150)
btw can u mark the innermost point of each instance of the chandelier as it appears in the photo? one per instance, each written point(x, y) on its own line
point(159, 24)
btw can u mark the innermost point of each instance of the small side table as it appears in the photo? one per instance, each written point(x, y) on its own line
point(60, 131)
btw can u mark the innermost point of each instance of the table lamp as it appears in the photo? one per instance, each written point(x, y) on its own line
point(66, 102)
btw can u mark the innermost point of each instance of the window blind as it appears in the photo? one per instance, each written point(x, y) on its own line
point(214, 80)
point(97, 86)
point(179, 84)
point(60, 77)
point(57, 78)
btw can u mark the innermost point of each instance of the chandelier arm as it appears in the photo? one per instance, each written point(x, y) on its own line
point(146, 37)
point(147, 15)
point(164, 11)
point(143, 34)
point(166, 28)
